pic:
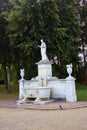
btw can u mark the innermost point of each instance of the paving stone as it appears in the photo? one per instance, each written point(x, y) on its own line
point(57, 105)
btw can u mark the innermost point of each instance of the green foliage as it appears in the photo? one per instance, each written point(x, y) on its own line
point(1, 73)
point(4, 39)
point(5, 49)
point(68, 15)
point(83, 21)
point(54, 21)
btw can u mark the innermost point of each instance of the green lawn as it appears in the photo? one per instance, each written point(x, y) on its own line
point(81, 91)
point(5, 95)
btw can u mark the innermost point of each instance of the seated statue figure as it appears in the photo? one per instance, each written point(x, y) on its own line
point(43, 50)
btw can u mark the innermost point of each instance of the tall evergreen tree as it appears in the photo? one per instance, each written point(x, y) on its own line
point(53, 21)
point(5, 49)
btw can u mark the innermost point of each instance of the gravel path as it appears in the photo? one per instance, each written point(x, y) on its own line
point(24, 119)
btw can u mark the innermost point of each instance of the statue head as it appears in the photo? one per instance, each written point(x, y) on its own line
point(41, 40)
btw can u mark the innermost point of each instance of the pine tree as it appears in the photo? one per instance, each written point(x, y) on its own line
point(5, 49)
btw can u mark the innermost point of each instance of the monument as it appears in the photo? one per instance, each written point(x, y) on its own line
point(44, 87)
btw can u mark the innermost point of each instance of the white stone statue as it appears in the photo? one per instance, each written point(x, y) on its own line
point(69, 69)
point(43, 50)
point(22, 73)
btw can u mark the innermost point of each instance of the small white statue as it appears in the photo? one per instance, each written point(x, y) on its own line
point(22, 73)
point(69, 69)
point(43, 50)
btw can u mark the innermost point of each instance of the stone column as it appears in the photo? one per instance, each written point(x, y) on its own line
point(70, 89)
point(21, 86)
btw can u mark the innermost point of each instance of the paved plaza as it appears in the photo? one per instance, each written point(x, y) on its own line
point(53, 116)
point(25, 119)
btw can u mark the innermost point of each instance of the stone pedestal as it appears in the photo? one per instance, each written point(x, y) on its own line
point(44, 68)
point(21, 86)
point(44, 71)
point(70, 89)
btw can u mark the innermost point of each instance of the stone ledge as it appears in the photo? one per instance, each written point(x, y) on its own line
point(43, 62)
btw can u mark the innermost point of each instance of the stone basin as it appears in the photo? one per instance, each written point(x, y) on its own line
point(37, 92)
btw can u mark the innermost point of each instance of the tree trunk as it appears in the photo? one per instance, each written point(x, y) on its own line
point(5, 75)
point(6, 70)
point(8, 77)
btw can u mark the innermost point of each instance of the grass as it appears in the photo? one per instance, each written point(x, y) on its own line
point(5, 95)
point(81, 91)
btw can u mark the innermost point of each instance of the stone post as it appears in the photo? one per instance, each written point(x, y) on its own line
point(70, 89)
point(21, 85)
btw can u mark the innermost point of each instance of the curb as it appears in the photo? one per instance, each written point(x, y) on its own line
point(57, 105)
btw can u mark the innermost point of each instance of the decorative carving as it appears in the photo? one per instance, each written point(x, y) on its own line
point(69, 69)
point(22, 73)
